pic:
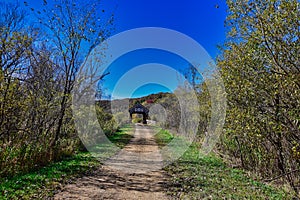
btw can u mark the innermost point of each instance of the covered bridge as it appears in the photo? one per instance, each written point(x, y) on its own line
point(139, 109)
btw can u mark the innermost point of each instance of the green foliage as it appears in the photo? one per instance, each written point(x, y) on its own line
point(121, 118)
point(194, 177)
point(163, 137)
point(171, 104)
point(106, 121)
point(41, 183)
point(137, 120)
point(36, 122)
point(122, 136)
point(260, 68)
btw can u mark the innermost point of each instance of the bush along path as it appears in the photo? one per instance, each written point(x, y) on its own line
point(47, 181)
point(190, 177)
point(208, 177)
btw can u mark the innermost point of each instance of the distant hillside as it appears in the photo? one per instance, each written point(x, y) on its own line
point(149, 99)
point(168, 102)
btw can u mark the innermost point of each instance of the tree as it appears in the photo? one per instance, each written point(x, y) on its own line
point(260, 67)
point(15, 45)
point(74, 29)
point(36, 79)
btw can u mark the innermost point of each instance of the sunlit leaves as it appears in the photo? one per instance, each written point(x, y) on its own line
point(260, 66)
point(38, 64)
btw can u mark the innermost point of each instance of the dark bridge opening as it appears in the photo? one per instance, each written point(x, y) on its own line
point(139, 109)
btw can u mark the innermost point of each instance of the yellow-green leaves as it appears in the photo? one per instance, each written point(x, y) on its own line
point(260, 68)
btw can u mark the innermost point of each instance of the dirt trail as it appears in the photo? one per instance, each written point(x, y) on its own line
point(134, 173)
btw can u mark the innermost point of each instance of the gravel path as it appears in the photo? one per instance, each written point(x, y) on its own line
point(134, 173)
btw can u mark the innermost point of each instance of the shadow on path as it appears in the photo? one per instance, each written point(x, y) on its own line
point(133, 173)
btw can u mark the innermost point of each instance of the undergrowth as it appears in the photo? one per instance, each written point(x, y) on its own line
point(207, 177)
point(48, 180)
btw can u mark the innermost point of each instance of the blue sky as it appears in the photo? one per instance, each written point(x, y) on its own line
point(202, 20)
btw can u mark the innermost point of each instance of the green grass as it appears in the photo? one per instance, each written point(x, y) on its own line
point(43, 182)
point(163, 137)
point(122, 136)
point(191, 177)
point(207, 177)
